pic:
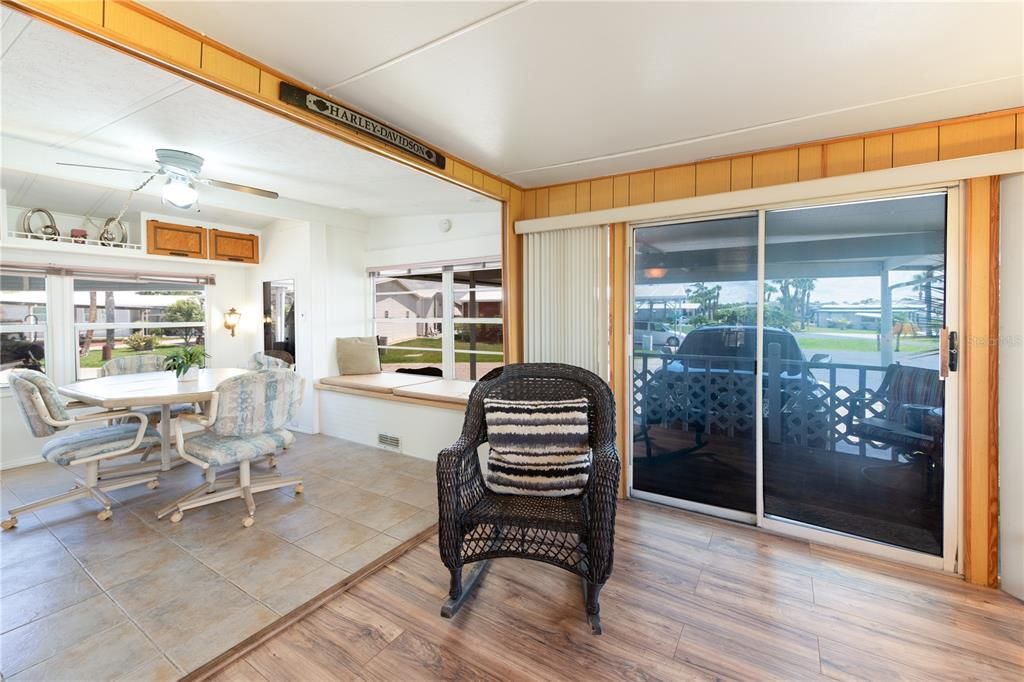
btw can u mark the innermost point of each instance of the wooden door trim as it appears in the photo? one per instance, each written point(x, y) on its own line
point(980, 353)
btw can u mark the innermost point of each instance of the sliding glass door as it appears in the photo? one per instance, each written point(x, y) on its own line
point(854, 404)
point(694, 358)
point(787, 370)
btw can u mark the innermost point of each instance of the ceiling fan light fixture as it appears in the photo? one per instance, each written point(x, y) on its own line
point(179, 192)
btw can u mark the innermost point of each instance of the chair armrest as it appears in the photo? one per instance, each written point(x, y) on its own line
point(124, 413)
point(458, 473)
point(602, 497)
point(121, 413)
point(460, 485)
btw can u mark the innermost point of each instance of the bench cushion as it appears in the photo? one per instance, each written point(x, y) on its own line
point(443, 390)
point(385, 382)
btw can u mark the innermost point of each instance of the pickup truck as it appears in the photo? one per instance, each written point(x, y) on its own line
point(708, 383)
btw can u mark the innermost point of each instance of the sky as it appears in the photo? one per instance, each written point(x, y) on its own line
point(826, 289)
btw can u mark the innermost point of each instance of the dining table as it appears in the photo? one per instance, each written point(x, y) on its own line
point(146, 389)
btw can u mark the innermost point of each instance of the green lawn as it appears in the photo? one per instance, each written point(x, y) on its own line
point(865, 345)
point(838, 330)
point(394, 354)
point(94, 358)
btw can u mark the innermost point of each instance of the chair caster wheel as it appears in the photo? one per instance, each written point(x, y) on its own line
point(248, 521)
point(153, 485)
point(105, 515)
point(10, 523)
point(177, 517)
point(299, 489)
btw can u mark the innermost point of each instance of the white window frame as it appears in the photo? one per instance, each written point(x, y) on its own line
point(448, 321)
point(44, 327)
point(76, 327)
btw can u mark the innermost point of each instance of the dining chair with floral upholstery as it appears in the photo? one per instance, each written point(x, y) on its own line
point(45, 413)
point(245, 422)
point(260, 360)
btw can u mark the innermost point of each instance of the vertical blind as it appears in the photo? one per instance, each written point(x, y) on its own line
point(566, 296)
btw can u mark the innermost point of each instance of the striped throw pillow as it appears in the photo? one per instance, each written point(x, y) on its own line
point(537, 447)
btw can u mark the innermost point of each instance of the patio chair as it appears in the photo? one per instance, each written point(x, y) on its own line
point(574, 532)
point(246, 422)
point(45, 414)
point(260, 360)
point(905, 414)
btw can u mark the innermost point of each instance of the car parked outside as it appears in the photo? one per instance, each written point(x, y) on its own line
point(654, 335)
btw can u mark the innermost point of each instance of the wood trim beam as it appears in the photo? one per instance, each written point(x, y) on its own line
point(909, 145)
point(145, 34)
point(981, 383)
point(621, 373)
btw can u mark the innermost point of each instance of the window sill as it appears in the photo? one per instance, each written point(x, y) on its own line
point(415, 390)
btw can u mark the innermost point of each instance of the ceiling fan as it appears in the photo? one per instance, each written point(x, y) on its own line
point(182, 170)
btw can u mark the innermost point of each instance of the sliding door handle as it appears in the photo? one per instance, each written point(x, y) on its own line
point(949, 352)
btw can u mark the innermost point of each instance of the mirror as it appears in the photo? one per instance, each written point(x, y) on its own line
point(279, 319)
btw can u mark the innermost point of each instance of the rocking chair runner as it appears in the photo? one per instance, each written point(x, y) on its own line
point(574, 533)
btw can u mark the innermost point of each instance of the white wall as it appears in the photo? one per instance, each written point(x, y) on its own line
point(326, 263)
point(424, 431)
point(1011, 385)
point(347, 303)
point(418, 239)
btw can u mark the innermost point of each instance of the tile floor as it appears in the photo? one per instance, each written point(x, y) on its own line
point(136, 598)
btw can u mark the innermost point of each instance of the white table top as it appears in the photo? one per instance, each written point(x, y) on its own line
point(148, 388)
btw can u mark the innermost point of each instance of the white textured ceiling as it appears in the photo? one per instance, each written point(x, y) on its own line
point(544, 92)
point(66, 98)
point(27, 190)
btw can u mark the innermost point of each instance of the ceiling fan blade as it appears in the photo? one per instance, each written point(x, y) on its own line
point(240, 188)
point(89, 165)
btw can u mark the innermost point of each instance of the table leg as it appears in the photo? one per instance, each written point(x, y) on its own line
point(165, 437)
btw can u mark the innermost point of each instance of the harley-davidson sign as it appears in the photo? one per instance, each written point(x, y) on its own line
point(331, 110)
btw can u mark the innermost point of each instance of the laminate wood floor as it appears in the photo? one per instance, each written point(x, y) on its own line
point(690, 598)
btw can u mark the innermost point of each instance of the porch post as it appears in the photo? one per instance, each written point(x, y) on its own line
point(885, 323)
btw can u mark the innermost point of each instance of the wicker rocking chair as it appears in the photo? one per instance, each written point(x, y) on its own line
point(574, 533)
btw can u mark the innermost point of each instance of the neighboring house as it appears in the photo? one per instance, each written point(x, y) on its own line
point(403, 305)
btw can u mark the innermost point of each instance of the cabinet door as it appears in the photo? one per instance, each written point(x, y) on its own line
point(168, 239)
point(239, 247)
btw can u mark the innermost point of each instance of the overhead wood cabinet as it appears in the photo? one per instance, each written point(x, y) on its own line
point(168, 239)
point(239, 247)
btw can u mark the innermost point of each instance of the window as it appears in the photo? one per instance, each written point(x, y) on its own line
point(447, 317)
point(23, 323)
point(113, 318)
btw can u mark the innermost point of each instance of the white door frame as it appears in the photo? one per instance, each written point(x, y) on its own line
point(952, 465)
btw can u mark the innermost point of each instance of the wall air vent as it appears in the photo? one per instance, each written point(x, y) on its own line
point(387, 441)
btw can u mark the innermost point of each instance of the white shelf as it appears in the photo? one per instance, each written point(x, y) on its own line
point(76, 242)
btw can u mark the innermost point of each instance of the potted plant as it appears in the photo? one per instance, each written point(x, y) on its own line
point(186, 361)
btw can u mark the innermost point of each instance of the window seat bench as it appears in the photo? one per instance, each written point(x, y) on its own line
point(424, 413)
point(452, 393)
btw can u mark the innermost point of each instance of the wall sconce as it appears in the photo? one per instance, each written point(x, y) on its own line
point(231, 318)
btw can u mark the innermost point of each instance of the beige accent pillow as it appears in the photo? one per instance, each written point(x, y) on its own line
point(358, 355)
